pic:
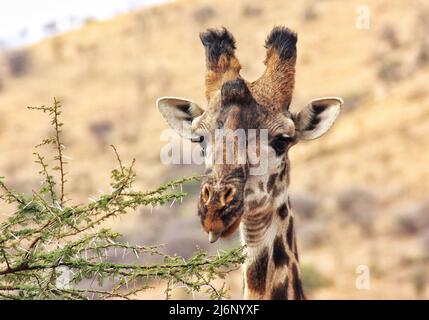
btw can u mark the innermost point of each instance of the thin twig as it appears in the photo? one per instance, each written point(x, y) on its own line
point(59, 147)
point(118, 158)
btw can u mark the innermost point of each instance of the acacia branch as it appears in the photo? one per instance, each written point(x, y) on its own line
point(40, 240)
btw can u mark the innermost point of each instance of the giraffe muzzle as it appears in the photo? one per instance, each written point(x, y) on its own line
point(220, 209)
point(218, 197)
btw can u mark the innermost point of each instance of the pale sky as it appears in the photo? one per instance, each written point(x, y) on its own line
point(24, 21)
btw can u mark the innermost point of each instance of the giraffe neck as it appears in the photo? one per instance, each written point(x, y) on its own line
point(271, 270)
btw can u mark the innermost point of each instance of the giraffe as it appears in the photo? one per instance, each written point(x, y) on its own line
point(231, 196)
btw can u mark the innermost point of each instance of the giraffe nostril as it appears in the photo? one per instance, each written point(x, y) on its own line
point(228, 195)
point(219, 198)
point(206, 193)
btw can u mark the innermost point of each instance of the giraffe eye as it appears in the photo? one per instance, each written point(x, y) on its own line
point(198, 139)
point(201, 141)
point(280, 143)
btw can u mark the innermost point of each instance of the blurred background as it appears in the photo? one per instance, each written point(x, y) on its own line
point(359, 193)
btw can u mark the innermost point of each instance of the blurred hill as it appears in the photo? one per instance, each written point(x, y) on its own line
point(360, 192)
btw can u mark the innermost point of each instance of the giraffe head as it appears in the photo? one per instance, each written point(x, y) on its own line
point(246, 129)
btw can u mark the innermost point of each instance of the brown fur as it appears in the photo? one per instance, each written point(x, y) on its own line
point(237, 104)
point(256, 274)
point(227, 69)
point(232, 193)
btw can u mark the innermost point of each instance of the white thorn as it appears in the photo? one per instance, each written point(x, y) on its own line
point(172, 203)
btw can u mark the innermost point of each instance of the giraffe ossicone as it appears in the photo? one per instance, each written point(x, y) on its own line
point(232, 197)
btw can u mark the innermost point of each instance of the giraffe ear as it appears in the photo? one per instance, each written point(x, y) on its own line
point(317, 117)
point(179, 114)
